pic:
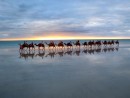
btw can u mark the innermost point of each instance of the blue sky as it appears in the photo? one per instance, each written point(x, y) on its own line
point(28, 18)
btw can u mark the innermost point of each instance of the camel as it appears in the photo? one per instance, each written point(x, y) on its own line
point(60, 45)
point(90, 44)
point(69, 45)
point(104, 43)
point(77, 43)
point(117, 42)
point(22, 46)
point(51, 44)
point(25, 45)
point(112, 42)
point(31, 46)
point(98, 43)
point(40, 45)
point(85, 44)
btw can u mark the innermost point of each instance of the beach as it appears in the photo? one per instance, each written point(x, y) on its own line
point(78, 73)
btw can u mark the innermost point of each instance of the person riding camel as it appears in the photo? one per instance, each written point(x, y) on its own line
point(32, 43)
point(52, 42)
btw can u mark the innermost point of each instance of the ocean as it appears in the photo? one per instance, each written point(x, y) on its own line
point(78, 73)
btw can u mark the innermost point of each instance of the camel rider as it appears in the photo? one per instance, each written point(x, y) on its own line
point(25, 43)
point(61, 42)
point(77, 41)
point(52, 42)
point(32, 43)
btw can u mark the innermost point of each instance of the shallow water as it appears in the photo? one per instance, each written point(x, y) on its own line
point(93, 73)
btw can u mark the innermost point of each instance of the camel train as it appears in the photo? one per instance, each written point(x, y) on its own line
point(68, 45)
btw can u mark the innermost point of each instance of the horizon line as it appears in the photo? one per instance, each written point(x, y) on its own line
point(68, 39)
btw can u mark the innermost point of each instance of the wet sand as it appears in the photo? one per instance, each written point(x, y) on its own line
point(102, 73)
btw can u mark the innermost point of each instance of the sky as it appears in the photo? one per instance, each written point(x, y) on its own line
point(58, 19)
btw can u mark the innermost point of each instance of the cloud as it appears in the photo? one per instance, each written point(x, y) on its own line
point(83, 17)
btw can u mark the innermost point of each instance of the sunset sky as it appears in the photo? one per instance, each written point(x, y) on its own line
point(64, 19)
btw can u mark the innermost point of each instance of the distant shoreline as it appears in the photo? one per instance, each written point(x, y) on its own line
point(60, 39)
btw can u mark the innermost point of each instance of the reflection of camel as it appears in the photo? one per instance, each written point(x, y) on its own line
point(25, 54)
point(109, 49)
point(116, 48)
point(51, 54)
point(85, 51)
point(97, 50)
point(91, 51)
point(77, 52)
point(41, 54)
point(69, 52)
point(61, 53)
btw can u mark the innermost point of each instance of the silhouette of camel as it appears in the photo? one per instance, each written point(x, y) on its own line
point(104, 43)
point(85, 44)
point(97, 43)
point(31, 46)
point(51, 44)
point(25, 45)
point(117, 42)
point(77, 44)
point(22, 46)
point(40, 45)
point(69, 45)
point(90, 44)
point(60, 45)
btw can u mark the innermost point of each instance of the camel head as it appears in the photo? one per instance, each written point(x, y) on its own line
point(46, 43)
